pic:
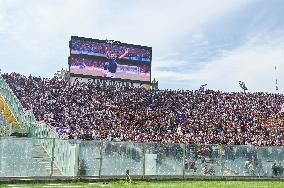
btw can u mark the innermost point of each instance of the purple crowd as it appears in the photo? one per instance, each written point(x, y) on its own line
point(89, 111)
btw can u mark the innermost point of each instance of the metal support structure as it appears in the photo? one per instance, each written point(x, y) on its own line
point(144, 158)
point(101, 159)
point(183, 161)
point(221, 158)
point(52, 157)
point(77, 158)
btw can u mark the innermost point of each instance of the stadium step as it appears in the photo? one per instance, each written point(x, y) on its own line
point(45, 160)
point(17, 158)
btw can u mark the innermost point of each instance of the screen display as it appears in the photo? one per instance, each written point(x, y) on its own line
point(80, 65)
point(110, 59)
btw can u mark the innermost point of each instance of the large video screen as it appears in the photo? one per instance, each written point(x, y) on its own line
point(108, 69)
point(110, 59)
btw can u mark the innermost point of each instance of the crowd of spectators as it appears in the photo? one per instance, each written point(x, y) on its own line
point(83, 62)
point(92, 47)
point(90, 111)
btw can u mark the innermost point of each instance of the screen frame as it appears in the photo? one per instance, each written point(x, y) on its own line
point(104, 41)
point(97, 57)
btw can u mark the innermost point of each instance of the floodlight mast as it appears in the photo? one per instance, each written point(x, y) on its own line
point(243, 86)
point(276, 81)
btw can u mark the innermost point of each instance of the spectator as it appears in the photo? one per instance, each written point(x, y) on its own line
point(86, 110)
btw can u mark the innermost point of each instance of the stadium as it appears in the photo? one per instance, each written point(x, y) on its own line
point(109, 119)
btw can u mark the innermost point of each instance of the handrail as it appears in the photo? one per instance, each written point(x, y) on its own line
point(62, 153)
point(13, 103)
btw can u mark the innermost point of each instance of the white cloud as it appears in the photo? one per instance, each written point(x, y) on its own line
point(173, 75)
point(35, 34)
point(253, 63)
point(169, 63)
point(44, 27)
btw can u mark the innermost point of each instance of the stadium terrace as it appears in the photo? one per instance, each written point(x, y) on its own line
point(88, 111)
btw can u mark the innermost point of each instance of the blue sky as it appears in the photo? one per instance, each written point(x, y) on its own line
point(217, 42)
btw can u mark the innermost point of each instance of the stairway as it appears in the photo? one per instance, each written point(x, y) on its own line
point(45, 160)
point(22, 157)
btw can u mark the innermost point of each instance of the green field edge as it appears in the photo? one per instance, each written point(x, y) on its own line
point(32, 180)
point(141, 184)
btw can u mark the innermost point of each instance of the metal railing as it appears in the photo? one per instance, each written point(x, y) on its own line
point(14, 104)
point(60, 151)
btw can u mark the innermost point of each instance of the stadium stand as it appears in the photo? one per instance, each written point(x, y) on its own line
point(171, 133)
point(87, 111)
